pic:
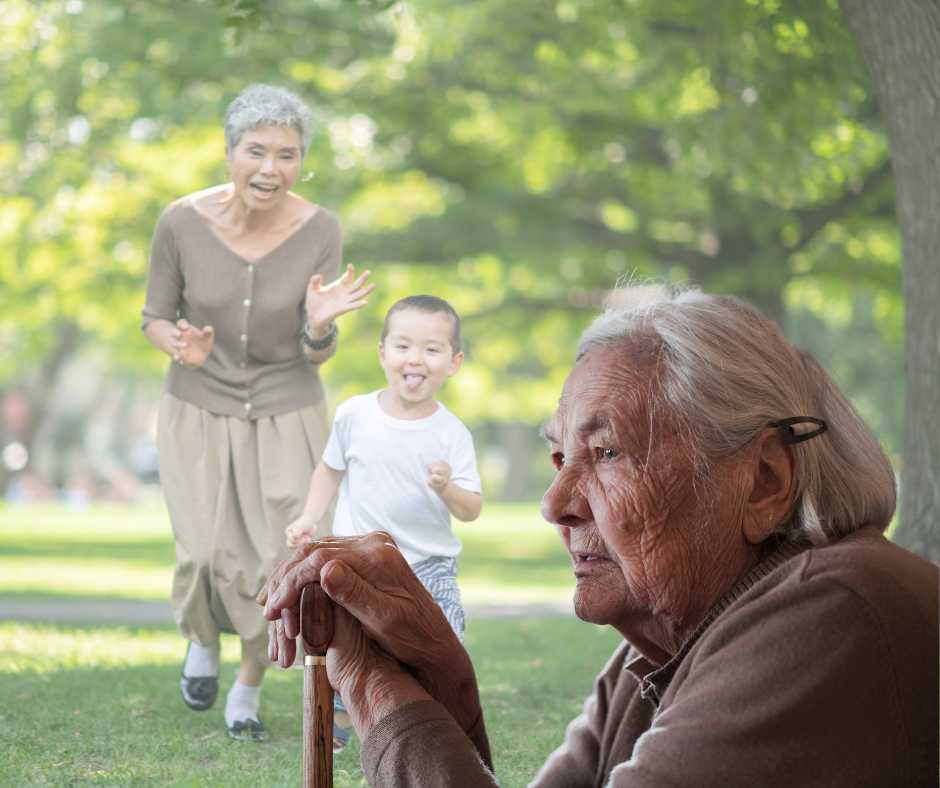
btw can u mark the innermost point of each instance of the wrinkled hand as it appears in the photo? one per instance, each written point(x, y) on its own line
point(192, 345)
point(366, 677)
point(370, 578)
point(438, 475)
point(324, 303)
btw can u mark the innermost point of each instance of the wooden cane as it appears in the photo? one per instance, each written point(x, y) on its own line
point(316, 632)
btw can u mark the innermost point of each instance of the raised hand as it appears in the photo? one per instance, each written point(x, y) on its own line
point(324, 303)
point(193, 345)
point(438, 475)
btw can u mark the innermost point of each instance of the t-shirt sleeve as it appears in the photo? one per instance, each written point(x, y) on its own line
point(165, 276)
point(463, 462)
point(334, 455)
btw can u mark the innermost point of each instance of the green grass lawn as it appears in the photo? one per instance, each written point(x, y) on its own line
point(510, 555)
point(100, 705)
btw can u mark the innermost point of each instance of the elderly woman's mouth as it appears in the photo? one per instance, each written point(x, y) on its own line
point(585, 561)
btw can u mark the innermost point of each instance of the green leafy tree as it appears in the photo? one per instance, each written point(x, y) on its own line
point(513, 156)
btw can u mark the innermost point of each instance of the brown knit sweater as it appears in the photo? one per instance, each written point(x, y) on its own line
point(819, 668)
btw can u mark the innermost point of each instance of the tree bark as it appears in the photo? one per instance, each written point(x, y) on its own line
point(900, 41)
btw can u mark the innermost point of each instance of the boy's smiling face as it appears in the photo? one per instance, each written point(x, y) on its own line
point(417, 356)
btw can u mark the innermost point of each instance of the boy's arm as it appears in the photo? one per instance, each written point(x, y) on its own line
point(324, 482)
point(463, 504)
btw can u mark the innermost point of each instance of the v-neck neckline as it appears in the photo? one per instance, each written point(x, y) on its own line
point(241, 258)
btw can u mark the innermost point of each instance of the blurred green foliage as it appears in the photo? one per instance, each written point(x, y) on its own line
point(514, 156)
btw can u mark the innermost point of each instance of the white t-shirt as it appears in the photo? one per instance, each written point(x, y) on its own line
point(386, 463)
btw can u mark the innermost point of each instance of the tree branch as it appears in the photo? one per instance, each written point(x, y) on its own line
point(812, 220)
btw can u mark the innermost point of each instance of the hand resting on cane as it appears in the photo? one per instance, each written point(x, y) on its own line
point(369, 578)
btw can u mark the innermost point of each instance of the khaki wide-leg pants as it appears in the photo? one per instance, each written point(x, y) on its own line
point(232, 487)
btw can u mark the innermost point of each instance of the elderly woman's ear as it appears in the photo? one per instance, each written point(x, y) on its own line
point(771, 472)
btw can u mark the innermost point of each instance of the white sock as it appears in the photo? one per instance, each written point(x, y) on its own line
point(242, 703)
point(201, 661)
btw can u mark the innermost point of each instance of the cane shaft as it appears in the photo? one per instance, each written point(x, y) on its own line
point(316, 632)
point(318, 724)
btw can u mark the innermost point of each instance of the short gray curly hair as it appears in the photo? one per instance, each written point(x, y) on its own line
point(724, 372)
point(267, 105)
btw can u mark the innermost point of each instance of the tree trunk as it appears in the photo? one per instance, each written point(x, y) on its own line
point(38, 393)
point(900, 40)
point(517, 441)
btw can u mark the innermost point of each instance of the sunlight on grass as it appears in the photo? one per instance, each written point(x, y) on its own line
point(47, 521)
point(39, 648)
point(87, 578)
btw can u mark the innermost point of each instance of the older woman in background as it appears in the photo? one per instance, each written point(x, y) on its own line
point(236, 298)
point(723, 506)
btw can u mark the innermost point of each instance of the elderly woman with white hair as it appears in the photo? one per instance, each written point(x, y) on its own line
point(236, 297)
point(724, 508)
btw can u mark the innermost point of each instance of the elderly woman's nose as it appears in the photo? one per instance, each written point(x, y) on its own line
point(563, 503)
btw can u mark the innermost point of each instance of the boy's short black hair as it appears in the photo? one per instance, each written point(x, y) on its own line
point(432, 305)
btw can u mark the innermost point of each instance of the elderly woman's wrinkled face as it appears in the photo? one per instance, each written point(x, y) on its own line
point(264, 165)
point(624, 503)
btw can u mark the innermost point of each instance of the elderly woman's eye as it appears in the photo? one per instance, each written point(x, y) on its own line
point(605, 453)
point(558, 459)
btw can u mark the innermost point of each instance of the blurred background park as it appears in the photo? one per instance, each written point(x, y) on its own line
point(516, 157)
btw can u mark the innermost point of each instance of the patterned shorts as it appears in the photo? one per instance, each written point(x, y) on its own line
point(439, 576)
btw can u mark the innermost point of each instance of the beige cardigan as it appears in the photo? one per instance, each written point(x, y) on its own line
point(257, 366)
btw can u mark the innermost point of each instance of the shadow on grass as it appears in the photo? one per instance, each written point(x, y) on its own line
point(132, 549)
point(84, 610)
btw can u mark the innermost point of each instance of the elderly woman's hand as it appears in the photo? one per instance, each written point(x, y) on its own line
point(369, 577)
point(192, 346)
point(324, 303)
point(371, 683)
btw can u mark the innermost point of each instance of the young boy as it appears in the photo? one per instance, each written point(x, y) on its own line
point(401, 461)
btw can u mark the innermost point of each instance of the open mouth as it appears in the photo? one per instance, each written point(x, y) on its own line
point(413, 381)
point(264, 189)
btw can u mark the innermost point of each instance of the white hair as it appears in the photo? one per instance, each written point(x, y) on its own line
point(266, 105)
point(724, 372)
